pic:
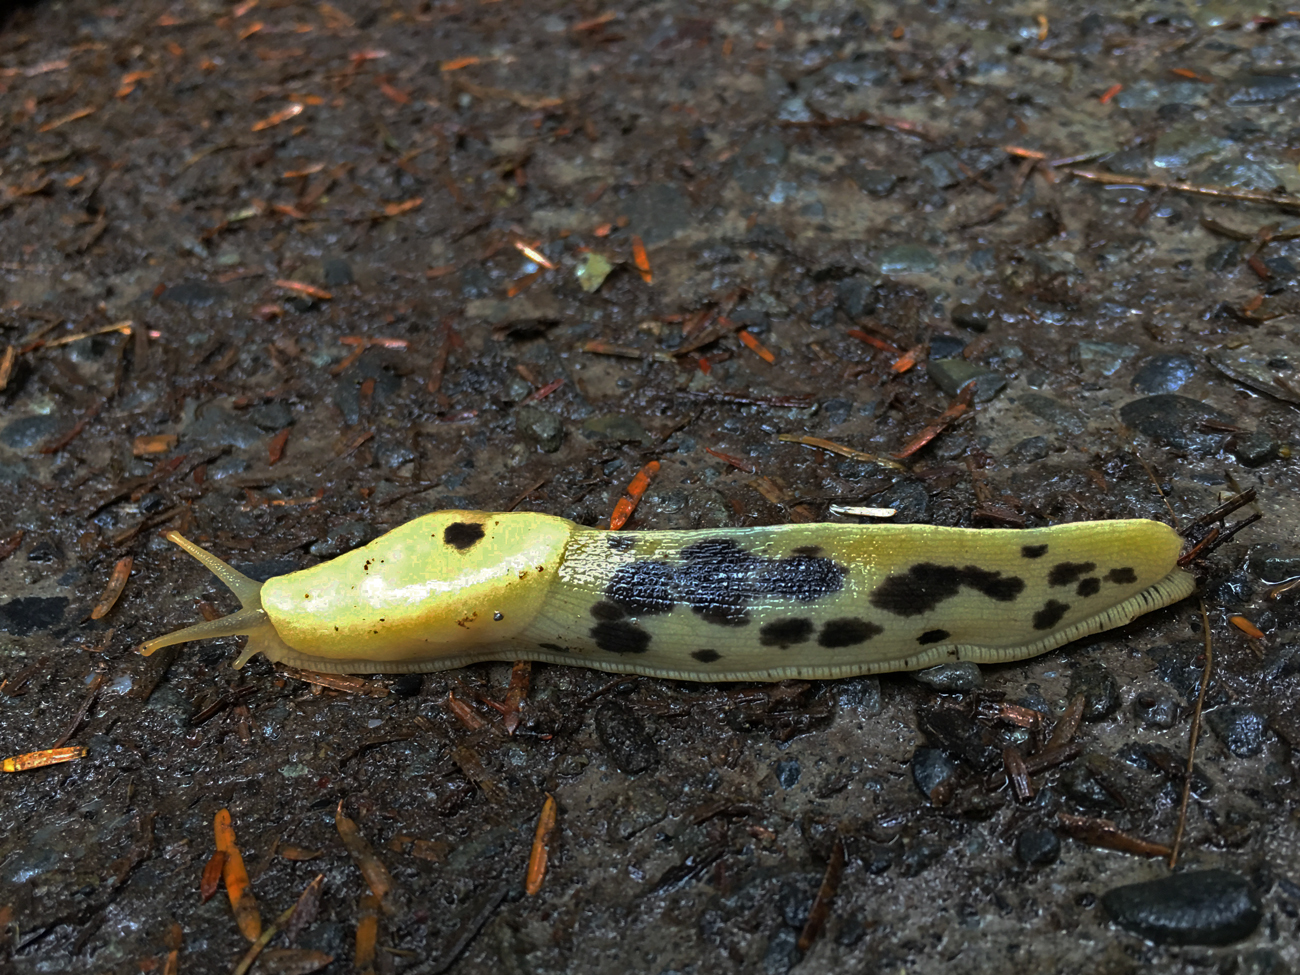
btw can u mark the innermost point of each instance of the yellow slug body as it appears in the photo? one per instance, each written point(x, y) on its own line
point(810, 601)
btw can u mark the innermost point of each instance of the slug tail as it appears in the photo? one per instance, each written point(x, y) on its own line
point(251, 620)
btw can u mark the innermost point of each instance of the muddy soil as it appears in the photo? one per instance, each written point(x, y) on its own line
point(284, 275)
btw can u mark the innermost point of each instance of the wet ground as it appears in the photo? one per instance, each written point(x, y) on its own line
point(261, 281)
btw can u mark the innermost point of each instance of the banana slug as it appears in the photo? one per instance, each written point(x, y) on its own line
point(809, 601)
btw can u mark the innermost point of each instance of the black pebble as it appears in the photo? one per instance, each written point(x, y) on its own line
point(1038, 847)
point(788, 772)
point(1240, 728)
point(933, 770)
point(627, 742)
point(1202, 907)
point(27, 614)
point(955, 678)
point(408, 685)
point(1099, 688)
point(1177, 421)
point(1156, 709)
point(1163, 374)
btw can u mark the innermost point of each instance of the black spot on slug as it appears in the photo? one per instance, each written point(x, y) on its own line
point(719, 581)
point(932, 636)
point(1033, 551)
point(1067, 573)
point(848, 632)
point(620, 543)
point(620, 637)
point(605, 610)
point(554, 647)
point(925, 585)
point(1050, 614)
point(706, 656)
point(462, 534)
point(1089, 586)
point(784, 633)
point(1122, 577)
point(810, 550)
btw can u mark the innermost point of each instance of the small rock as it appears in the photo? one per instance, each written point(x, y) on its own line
point(782, 952)
point(951, 375)
point(192, 294)
point(837, 411)
point(1029, 450)
point(217, 427)
point(545, 429)
point(1163, 374)
point(788, 772)
point(1259, 89)
point(856, 296)
point(1258, 371)
point(408, 685)
point(859, 694)
point(28, 614)
point(1177, 421)
point(908, 259)
point(919, 858)
point(877, 182)
point(1038, 847)
point(1223, 258)
point(977, 315)
point(960, 677)
point(1201, 907)
point(30, 431)
point(336, 272)
point(1156, 709)
point(271, 416)
point(942, 169)
point(1065, 418)
point(1098, 359)
point(1254, 449)
point(1238, 727)
point(1099, 689)
point(935, 774)
point(946, 346)
point(615, 427)
point(625, 738)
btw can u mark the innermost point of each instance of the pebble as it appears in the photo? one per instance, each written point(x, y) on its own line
point(1255, 449)
point(336, 272)
point(934, 773)
point(977, 315)
point(1098, 359)
point(788, 772)
point(30, 431)
point(1164, 374)
point(192, 294)
point(218, 427)
point(625, 738)
point(28, 614)
point(1156, 709)
point(953, 678)
point(1259, 89)
point(615, 427)
point(1038, 847)
point(1176, 421)
point(951, 375)
point(908, 259)
point(859, 694)
point(1199, 907)
point(1029, 450)
point(407, 685)
point(271, 416)
point(856, 296)
point(876, 182)
point(543, 428)
point(946, 346)
point(1064, 418)
point(1254, 370)
point(1239, 728)
point(1099, 689)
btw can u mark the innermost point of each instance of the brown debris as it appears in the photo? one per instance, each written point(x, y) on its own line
point(371, 867)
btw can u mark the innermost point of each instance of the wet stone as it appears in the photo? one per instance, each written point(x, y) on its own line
point(344, 538)
point(837, 411)
point(782, 952)
point(788, 772)
point(946, 346)
point(961, 677)
point(1098, 359)
point(218, 427)
point(934, 773)
point(1029, 450)
point(625, 738)
point(1177, 421)
point(1038, 847)
point(193, 294)
point(951, 375)
point(1163, 374)
point(1260, 89)
point(976, 316)
point(1223, 258)
point(1240, 173)
point(30, 614)
point(1099, 689)
point(858, 695)
point(1255, 449)
point(920, 857)
point(1202, 907)
point(1156, 709)
point(1066, 419)
point(1079, 784)
point(856, 296)
point(908, 259)
point(615, 427)
point(941, 169)
point(407, 685)
point(876, 182)
point(336, 272)
point(1239, 728)
point(30, 431)
point(543, 428)
point(271, 416)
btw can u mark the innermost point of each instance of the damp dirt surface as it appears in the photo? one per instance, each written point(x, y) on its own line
point(263, 280)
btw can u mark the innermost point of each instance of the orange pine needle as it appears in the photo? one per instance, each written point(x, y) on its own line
point(734, 461)
point(1111, 92)
point(281, 116)
point(871, 340)
point(367, 933)
point(520, 678)
point(275, 449)
point(70, 117)
point(156, 443)
point(303, 288)
point(641, 259)
point(455, 64)
point(908, 359)
point(116, 583)
point(464, 713)
point(758, 348)
point(396, 209)
point(632, 496)
point(533, 254)
point(50, 756)
point(541, 847)
point(236, 877)
point(1246, 627)
point(959, 406)
point(212, 871)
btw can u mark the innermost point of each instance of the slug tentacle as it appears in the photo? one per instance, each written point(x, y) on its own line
point(251, 620)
